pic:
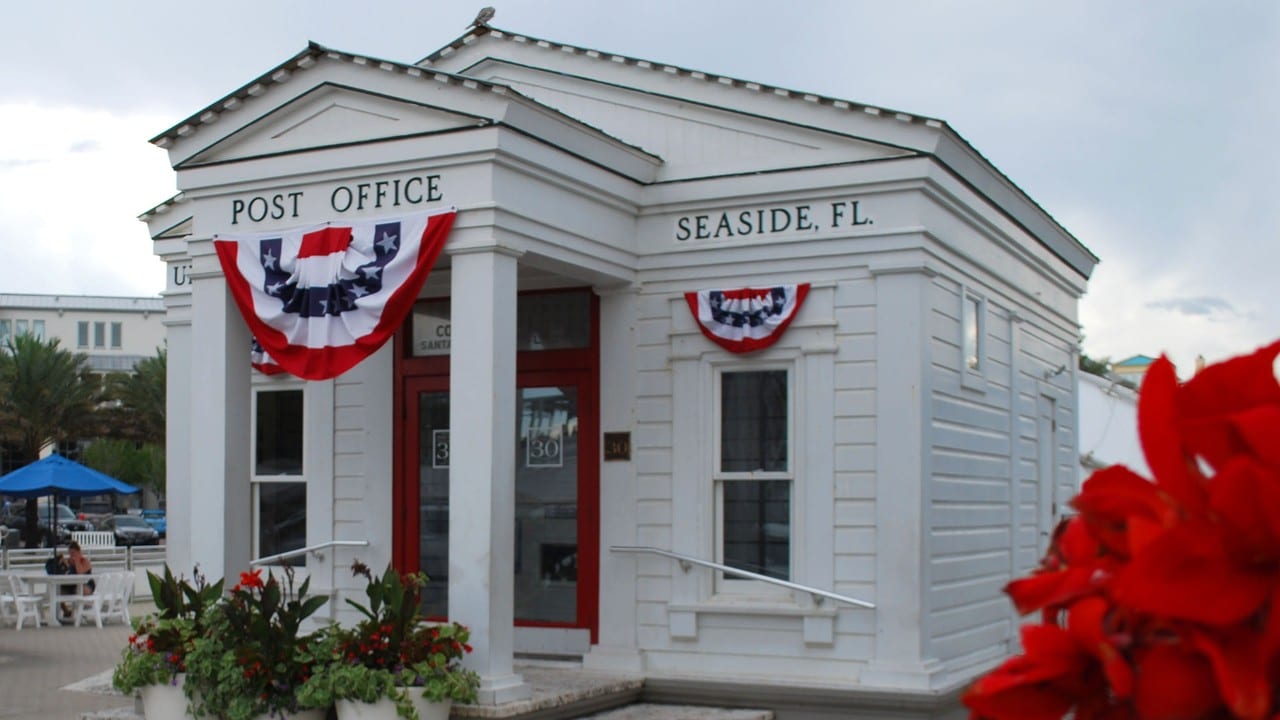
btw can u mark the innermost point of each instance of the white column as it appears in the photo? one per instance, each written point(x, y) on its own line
point(221, 519)
point(482, 415)
point(617, 648)
point(902, 395)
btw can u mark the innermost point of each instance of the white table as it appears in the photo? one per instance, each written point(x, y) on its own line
point(50, 583)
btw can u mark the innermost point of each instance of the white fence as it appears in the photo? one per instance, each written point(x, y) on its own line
point(139, 559)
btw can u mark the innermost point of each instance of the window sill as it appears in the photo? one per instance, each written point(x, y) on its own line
point(755, 606)
point(973, 380)
point(818, 624)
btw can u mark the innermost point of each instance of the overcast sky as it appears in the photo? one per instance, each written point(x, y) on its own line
point(1149, 130)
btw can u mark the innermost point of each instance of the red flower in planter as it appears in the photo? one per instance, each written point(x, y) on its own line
point(249, 581)
point(1160, 599)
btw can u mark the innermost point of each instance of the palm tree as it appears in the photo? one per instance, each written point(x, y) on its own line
point(140, 398)
point(132, 446)
point(47, 396)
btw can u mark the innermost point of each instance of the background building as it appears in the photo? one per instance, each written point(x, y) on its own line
point(114, 332)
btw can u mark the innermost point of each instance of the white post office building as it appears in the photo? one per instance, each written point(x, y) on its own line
point(557, 431)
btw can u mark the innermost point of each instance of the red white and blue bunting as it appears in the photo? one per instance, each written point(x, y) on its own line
point(746, 319)
point(320, 299)
point(261, 361)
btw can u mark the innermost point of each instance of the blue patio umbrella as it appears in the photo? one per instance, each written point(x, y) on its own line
point(56, 475)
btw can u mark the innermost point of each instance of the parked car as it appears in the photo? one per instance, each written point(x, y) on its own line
point(131, 530)
point(15, 518)
point(155, 517)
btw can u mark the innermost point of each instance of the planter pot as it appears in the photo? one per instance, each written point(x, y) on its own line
point(386, 709)
point(165, 702)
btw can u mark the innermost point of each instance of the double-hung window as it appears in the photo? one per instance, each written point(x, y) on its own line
point(82, 334)
point(279, 487)
point(754, 471)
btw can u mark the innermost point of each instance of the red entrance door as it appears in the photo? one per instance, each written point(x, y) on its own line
point(557, 479)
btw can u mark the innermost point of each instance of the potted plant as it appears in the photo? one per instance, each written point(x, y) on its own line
point(154, 662)
point(252, 657)
point(393, 662)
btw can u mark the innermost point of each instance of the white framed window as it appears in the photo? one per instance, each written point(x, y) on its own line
point(6, 332)
point(82, 334)
point(117, 335)
point(279, 486)
point(754, 474)
point(20, 327)
point(37, 329)
point(99, 335)
point(973, 340)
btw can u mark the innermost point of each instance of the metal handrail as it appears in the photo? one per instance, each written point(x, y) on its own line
point(686, 561)
point(309, 549)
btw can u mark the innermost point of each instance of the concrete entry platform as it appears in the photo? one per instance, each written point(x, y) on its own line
point(561, 689)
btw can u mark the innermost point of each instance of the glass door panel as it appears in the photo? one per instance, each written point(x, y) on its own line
point(433, 500)
point(546, 564)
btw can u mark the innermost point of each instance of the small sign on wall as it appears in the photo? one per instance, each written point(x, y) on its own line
point(617, 446)
point(439, 448)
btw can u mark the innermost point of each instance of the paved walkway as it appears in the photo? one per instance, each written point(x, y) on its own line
point(58, 673)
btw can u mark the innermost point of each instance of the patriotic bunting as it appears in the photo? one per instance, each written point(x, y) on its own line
point(261, 361)
point(320, 299)
point(747, 319)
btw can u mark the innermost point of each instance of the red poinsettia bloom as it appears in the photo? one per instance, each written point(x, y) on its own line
point(1161, 598)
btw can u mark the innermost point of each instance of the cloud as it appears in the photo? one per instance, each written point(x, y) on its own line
point(17, 163)
point(68, 221)
point(1194, 305)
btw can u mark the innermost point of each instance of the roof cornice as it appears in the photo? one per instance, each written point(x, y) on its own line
point(836, 103)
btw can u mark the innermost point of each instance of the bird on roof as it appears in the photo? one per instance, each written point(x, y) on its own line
point(483, 17)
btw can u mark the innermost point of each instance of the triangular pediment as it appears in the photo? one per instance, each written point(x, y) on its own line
point(329, 116)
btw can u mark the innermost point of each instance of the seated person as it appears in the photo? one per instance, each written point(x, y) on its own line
point(75, 564)
point(79, 565)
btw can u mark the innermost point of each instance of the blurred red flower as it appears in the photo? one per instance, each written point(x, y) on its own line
point(1160, 599)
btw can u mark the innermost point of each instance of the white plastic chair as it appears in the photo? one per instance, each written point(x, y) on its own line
point(27, 603)
point(97, 604)
point(123, 594)
point(6, 600)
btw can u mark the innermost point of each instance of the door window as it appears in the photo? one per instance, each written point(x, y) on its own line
point(547, 504)
point(433, 500)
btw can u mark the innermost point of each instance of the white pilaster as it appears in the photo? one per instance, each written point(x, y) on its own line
point(902, 395)
point(221, 519)
point(482, 414)
point(178, 385)
point(617, 648)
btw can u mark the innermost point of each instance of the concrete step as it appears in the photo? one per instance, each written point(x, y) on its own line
point(653, 711)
